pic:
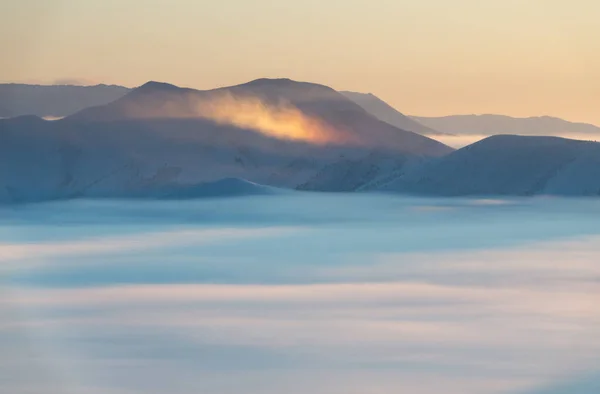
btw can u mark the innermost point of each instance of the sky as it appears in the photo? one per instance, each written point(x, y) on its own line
point(425, 57)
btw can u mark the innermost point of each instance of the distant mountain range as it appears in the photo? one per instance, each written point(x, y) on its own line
point(54, 100)
point(158, 136)
point(486, 125)
point(164, 141)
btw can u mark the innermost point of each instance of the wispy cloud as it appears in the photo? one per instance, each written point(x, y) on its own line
point(501, 320)
point(506, 333)
point(38, 252)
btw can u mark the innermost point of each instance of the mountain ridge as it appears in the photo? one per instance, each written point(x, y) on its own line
point(18, 99)
point(157, 99)
point(385, 112)
point(491, 124)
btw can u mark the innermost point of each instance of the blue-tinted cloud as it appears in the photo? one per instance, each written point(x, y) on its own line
point(371, 305)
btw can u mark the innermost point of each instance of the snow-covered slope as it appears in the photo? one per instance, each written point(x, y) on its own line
point(385, 112)
point(150, 138)
point(226, 187)
point(488, 125)
point(354, 173)
point(5, 113)
point(509, 165)
point(54, 100)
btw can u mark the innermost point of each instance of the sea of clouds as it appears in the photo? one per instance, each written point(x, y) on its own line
point(306, 293)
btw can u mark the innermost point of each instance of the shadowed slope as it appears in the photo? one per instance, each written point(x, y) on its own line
point(510, 165)
point(385, 112)
point(54, 100)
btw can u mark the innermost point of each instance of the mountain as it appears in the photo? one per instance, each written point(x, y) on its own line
point(273, 132)
point(5, 113)
point(488, 125)
point(385, 112)
point(54, 100)
point(279, 100)
point(274, 107)
point(508, 165)
point(226, 187)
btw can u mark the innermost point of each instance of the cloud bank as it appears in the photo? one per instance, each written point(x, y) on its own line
point(332, 307)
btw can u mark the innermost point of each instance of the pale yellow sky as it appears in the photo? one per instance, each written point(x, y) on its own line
point(425, 57)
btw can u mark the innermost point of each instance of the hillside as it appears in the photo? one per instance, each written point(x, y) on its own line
point(272, 132)
point(385, 112)
point(268, 104)
point(226, 187)
point(54, 100)
point(509, 165)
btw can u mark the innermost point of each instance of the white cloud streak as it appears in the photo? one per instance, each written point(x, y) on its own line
point(39, 251)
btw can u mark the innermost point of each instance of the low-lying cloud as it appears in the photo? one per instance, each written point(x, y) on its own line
point(282, 120)
point(343, 307)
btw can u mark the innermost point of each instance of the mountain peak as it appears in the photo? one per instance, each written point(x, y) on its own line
point(157, 86)
point(271, 81)
point(283, 83)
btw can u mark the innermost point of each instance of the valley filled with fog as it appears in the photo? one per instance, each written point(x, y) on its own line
point(301, 292)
